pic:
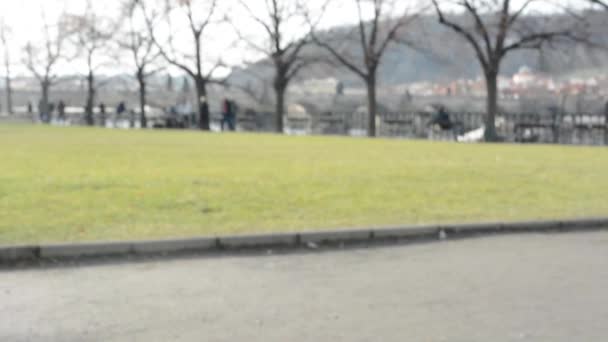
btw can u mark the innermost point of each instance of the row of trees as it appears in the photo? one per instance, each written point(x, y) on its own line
point(145, 31)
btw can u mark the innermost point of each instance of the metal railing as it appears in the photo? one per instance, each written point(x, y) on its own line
point(566, 128)
point(560, 128)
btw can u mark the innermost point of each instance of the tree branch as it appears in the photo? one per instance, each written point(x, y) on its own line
point(466, 34)
point(480, 27)
point(535, 40)
point(339, 56)
point(602, 3)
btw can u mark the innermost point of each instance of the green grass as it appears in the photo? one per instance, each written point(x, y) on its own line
point(75, 184)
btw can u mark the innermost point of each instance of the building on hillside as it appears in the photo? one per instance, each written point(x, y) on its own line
point(524, 77)
point(327, 85)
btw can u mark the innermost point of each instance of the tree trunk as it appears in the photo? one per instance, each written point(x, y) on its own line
point(9, 95)
point(43, 106)
point(492, 106)
point(371, 106)
point(142, 99)
point(280, 86)
point(90, 99)
point(279, 108)
point(606, 124)
point(202, 105)
point(9, 90)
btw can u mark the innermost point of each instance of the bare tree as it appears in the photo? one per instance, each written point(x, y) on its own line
point(91, 36)
point(192, 61)
point(496, 28)
point(285, 54)
point(41, 60)
point(372, 37)
point(142, 50)
point(4, 32)
point(257, 92)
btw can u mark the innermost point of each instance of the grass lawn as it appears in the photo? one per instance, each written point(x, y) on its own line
point(75, 184)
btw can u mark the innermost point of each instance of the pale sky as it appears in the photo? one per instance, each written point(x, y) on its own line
point(24, 18)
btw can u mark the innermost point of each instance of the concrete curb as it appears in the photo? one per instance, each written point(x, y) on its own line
point(312, 239)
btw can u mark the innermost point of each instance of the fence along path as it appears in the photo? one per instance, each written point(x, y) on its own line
point(567, 128)
point(552, 128)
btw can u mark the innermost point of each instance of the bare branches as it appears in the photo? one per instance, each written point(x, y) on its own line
point(536, 40)
point(374, 36)
point(501, 28)
point(601, 3)
point(480, 26)
point(4, 32)
point(41, 59)
point(191, 62)
point(469, 36)
point(258, 19)
point(209, 75)
point(393, 33)
point(4, 35)
point(509, 28)
point(136, 40)
point(281, 52)
point(285, 53)
point(91, 35)
point(340, 57)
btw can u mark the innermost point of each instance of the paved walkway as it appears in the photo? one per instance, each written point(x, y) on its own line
point(509, 288)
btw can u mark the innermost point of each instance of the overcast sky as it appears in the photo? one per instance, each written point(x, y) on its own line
point(24, 18)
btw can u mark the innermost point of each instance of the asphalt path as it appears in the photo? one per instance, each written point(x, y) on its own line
point(545, 287)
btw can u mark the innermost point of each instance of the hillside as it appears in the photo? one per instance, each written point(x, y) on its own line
point(439, 54)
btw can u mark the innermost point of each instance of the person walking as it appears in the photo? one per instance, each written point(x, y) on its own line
point(232, 117)
point(131, 118)
point(51, 112)
point(228, 114)
point(606, 124)
point(42, 111)
point(102, 114)
point(61, 112)
point(225, 113)
point(119, 111)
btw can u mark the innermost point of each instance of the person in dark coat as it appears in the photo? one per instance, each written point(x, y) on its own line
point(229, 114)
point(225, 113)
point(606, 124)
point(442, 119)
point(42, 111)
point(51, 111)
point(232, 117)
point(120, 109)
point(61, 111)
point(102, 114)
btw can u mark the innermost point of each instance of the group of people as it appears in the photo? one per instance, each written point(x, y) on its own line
point(183, 115)
point(46, 112)
point(121, 108)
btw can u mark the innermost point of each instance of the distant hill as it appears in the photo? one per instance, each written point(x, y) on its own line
point(440, 54)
